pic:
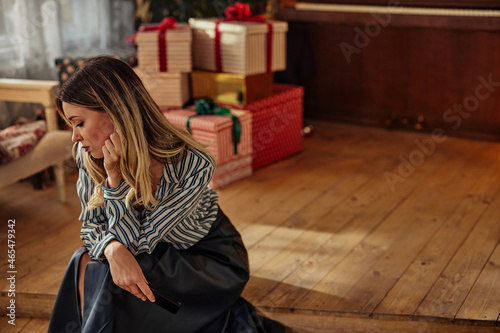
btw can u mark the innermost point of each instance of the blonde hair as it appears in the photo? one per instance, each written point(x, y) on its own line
point(109, 85)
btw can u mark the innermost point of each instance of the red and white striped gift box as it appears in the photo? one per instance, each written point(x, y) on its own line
point(216, 131)
point(229, 172)
point(276, 124)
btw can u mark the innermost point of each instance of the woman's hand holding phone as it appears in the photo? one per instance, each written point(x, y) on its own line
point(126, 272)
point(112, 155)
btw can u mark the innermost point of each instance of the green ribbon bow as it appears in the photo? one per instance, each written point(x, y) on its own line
point(205, 107)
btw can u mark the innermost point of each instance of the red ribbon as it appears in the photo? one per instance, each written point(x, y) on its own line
point(166, 23)
point(218, 53)
point(269, 40)
point(241, 12)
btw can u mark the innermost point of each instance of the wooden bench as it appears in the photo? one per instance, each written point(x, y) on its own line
point(55, 145)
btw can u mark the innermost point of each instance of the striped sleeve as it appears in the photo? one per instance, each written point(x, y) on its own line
point(94, 221)
point(182, 197)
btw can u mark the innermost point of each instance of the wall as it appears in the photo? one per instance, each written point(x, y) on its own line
point(407, 73)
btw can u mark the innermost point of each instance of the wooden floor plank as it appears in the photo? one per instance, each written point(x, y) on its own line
point(305, 173)
point(263, 177)
point(35, 325)
point(407, 294)
point(381, 231)
point(307, 323)
point(454, 284)
point(24, 325)
point(341, 190)
point(263, 251)
point(367, 294)
point(266, 195)
point(315, 187)
point(483, 302)
point(29, 265)
point(321, 237)
point(311, 188)
point(311, 269)
point(5, 327)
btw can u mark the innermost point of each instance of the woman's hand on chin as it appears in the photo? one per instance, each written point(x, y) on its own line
point(112, 155)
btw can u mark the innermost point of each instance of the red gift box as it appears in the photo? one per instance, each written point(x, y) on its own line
point(276, 124)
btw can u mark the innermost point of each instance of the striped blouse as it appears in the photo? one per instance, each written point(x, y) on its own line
point(186, 210)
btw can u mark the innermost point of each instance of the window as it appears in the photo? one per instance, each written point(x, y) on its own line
point(8, 62)
point(85, 24)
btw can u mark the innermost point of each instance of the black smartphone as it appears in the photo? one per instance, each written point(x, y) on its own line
point(166, 302)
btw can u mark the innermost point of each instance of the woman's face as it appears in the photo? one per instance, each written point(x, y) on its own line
point(91, 128)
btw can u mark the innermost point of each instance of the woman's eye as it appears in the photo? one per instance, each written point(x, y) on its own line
point(79, 125)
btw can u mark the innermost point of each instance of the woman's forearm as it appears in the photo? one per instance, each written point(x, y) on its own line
point(126, 272)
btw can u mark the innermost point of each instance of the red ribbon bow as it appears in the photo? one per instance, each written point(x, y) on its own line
point(166, 23)
point(241, 12)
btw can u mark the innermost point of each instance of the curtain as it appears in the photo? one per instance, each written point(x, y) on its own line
point(33, 33)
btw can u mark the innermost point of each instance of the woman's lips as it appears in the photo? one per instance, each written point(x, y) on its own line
point(87, 148)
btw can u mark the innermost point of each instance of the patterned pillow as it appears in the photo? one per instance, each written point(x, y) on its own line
point(66, 67)
point(18, 140)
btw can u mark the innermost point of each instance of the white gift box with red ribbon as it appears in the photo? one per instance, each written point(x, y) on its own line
point(164, 47)
point(242, 47)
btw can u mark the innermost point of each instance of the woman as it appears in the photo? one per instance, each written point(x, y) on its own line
point(149, 219)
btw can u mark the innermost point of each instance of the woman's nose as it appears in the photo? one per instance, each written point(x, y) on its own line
point(76, 136)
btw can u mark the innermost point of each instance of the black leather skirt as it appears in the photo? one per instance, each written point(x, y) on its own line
point(207, 279)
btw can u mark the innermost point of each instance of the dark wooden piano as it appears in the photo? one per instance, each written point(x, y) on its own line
point(405, 64)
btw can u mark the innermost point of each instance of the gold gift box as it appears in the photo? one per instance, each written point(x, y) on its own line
point(230, 88)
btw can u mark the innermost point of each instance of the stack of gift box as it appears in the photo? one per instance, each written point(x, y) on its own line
point(233, 59)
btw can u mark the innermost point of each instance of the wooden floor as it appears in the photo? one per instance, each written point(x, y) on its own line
point(364, 231)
